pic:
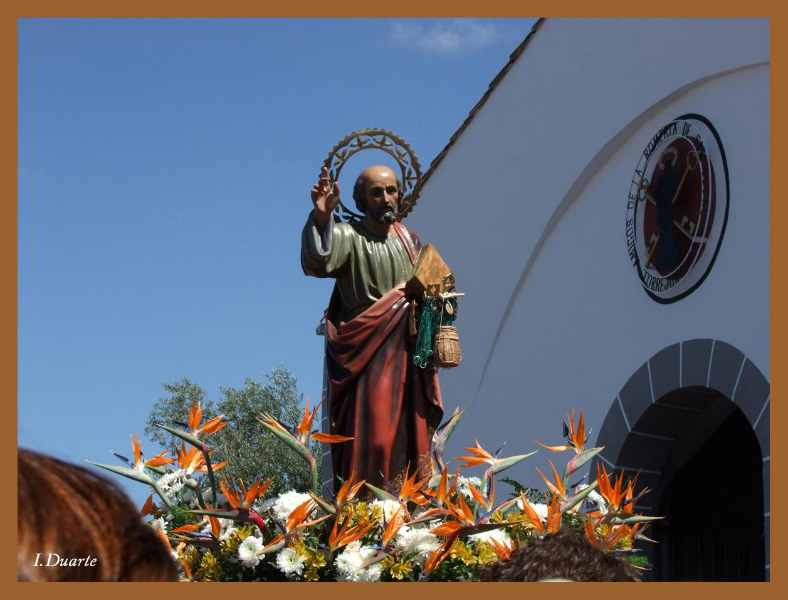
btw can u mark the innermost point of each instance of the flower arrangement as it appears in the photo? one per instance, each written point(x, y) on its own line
point(445, 527)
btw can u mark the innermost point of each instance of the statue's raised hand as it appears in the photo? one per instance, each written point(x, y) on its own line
point(325, 197)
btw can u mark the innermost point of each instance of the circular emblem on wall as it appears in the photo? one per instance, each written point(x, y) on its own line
point(677, 208)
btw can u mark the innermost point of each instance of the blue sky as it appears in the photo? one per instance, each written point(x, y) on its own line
point(164, 174)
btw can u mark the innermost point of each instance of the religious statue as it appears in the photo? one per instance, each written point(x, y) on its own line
point(377, 396)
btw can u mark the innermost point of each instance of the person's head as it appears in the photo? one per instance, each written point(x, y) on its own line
point(377, 193)
point(67, 513)
point(566, 554)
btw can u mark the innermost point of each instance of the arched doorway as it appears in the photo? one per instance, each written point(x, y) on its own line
point(710, 495)
point(693, 421)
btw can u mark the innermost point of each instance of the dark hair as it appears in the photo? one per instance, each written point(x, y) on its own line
point(360, 200)
point(566, 554)
point(70, 511)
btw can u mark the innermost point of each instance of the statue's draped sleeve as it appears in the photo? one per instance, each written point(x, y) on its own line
point(324, 254)
point(365, 267)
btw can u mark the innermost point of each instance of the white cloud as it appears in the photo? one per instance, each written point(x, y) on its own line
point(445, 36)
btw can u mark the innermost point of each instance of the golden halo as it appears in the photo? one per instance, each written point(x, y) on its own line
point(391, 144)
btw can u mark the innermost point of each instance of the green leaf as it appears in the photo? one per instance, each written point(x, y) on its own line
point(380, 494)
point(474, 529)
point(290, 441)
point(430, 515)
point(505, 463)
point(570, 503)
point(186, 437)
point(157, 470)
point(378, 556)
point(231, 513)
point(579, 460)
point(441, 436)
point(275, 547)
point(507, 506)
point(634, 519)
point(326, 506)
point(136, 476)
point(140, 476)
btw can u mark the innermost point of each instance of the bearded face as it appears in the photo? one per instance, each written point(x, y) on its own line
point(381, 194)
point(386, 214)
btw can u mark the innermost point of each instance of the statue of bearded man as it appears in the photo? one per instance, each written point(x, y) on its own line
point(376, 395)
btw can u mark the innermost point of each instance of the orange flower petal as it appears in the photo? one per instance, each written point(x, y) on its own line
point(552, 448)
point(147, 508)
point(477, 495)
point(135, 445)
point(394, 525)
point(447, 528)
point(550, 486)
point(195, 416)
point(213, 425)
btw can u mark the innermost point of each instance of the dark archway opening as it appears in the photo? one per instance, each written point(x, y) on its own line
point(711, 495)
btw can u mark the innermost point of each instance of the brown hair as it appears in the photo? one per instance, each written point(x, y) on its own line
point(70, 512)
point(566, 554)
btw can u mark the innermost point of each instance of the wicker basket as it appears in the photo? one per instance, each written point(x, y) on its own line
point(446, 352)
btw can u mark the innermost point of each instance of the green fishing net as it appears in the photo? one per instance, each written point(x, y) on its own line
point(431, 314)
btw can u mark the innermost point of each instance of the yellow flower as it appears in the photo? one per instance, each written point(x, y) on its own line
point(625, 543)
point(300, 548)
point(209, 568)
point(233, 541)
point(362, 511)
point(485, 554)
point(311, 574)
point(377, 512)
point(461, 552)
point(315, 560)
point(387, 563)
point(244, 531)
point(191, 558)
point(401, 569)
point(349, 511)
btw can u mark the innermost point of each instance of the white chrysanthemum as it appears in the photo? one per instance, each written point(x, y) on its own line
point(289, 562)
point(227, 527)
point(172, 482)
point(499, 535)
point(261, 507)
point(287, 503)
point(207, 496)
point(594, 497)
point(464, 482)
point(418, 540)
point(389, 507)
point(247, 552)
point(597, 499)
point(539, 508)
point(349, 564)
point(159, 523)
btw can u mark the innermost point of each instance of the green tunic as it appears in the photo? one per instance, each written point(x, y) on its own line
point(365, 266)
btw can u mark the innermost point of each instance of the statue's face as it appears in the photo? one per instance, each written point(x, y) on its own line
point(381, 194)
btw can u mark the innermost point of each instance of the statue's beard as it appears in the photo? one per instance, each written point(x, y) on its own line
point(386, 215)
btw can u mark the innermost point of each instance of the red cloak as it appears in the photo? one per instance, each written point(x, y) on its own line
point(376, 395)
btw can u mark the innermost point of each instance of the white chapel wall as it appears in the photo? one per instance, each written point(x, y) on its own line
point(528, 207)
